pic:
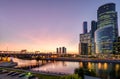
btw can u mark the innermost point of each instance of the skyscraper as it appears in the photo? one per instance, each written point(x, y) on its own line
point(60, 50)
point(85, 41)
point(57, 50)
point(116, 46)
point(85, 44)
point(63, 50)
point(107, 28)
point(84, 27)
point(93, 29)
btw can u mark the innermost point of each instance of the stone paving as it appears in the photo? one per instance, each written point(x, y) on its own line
point(14, 75)
point(5, 76)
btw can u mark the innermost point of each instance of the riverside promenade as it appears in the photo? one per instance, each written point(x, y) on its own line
point(37, 72)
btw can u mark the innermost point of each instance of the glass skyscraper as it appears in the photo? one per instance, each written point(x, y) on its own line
point(84, 27)
point(93, 29)
point(107, 28)
point(85, 41)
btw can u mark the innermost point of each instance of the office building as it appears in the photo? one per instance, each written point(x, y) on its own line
point(107, 28)
point(85, 44)
point(93, 29)
point(85, 41)
point(61, 50)
point(24, 51)
point(116, 46)
point(84, 27)
point(57, 50)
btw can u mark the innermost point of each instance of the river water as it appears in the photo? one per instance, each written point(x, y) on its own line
point(104, 70)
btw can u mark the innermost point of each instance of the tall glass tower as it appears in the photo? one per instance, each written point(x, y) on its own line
point(93, 29)
point(107, 28)
point(84, 27)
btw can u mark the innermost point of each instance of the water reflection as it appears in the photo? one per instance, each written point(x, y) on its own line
point(22, 63)
point(64, 67)
point(104, 70)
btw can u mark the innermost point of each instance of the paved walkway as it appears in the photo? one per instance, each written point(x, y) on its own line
point(40, 72)
point(5, 76)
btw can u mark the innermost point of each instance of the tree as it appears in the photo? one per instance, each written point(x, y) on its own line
point(84, 71)
point(80, 72)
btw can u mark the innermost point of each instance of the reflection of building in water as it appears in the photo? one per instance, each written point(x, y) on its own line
point(64, 63)
point(87, 65)
point(105, 66)
point(117, 67)
point(103, 70)
point(81, 64)
point(99, 66)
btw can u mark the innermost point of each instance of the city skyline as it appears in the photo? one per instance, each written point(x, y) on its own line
point(45, 25)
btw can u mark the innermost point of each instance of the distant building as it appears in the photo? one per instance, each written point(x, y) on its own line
point(85, 44)
point(23, 51)
point(107, 28)
point(84, 27)
point(116, 46)
point(57, 50)
point(93, 28)
point(61, 50)
point(37, 51)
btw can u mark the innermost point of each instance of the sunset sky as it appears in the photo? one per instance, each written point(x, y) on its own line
point(45, 25)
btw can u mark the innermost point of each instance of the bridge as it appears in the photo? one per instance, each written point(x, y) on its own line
point(27, 55)
point(31, 55)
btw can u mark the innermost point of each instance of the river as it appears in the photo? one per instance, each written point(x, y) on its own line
point(104, 70)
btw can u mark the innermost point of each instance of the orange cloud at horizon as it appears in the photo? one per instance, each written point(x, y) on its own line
point(32, 43)
point(42, 48)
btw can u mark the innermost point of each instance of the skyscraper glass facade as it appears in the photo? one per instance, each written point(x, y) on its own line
point(104, 39)
point(93, 29)
point(107, 28)
point(84, 27)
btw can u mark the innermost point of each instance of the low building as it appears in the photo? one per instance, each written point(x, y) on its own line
point(23, 51)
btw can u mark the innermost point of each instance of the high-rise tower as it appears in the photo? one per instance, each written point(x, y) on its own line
point(93, 29)
point(84, 27)
point(107, 28)
point(85, 40)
